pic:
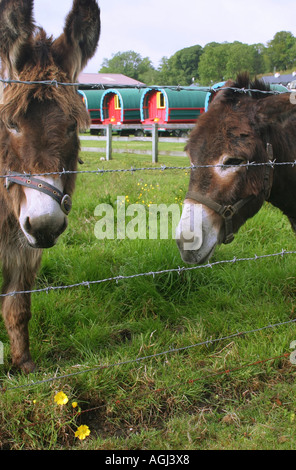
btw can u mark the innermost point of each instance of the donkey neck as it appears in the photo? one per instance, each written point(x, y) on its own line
point(283, 192)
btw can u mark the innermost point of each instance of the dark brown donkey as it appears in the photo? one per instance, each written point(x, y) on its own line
point(239, 128)
point(38, 134)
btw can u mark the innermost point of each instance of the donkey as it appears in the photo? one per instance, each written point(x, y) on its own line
point(39, 127)
point(240, 129)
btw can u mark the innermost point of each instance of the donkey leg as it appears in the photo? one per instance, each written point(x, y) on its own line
point(19, 270)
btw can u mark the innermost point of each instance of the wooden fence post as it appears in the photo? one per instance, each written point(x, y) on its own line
point(109, 142)
point(155, 143)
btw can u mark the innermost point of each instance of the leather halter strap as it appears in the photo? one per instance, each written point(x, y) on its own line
point(64, 200)
point(228, 211)
point(225, 211)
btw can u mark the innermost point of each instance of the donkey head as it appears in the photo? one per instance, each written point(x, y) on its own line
point(39, 124)
point(225, 189)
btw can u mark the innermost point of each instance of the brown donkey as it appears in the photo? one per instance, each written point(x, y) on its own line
point(38, 134)
point(231, 146)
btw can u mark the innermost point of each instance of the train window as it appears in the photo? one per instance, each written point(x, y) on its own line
point(117, 102)
point(160, 100)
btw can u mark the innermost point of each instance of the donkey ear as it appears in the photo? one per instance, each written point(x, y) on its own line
point(275, 109)
point(80, 38)
point(16, 29)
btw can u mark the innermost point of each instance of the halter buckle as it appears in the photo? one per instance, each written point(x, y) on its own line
point(228, 212)
point(66, 204)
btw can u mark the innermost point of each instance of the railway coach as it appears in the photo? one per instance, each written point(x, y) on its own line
point(172, 105)
point(121, 106)
point(92, 100)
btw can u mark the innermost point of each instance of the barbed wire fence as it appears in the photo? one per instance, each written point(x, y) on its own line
point(100, 86)
point(179, 270)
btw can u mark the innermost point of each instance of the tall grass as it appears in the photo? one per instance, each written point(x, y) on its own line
point(182, 400)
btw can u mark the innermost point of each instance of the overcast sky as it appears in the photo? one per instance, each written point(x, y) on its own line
point(157, 28)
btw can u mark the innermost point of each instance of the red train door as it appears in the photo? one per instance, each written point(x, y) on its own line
point(113, 109)
point(160, 107)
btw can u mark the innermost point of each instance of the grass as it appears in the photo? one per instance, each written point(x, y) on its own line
point(182, 400)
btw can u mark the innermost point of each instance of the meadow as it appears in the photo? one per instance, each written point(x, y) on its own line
point(155, 362)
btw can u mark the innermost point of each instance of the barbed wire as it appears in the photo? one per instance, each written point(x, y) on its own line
point(150, 356)
point(162, 168)
point(178, 270)
point(103, 86)
point(222, 372)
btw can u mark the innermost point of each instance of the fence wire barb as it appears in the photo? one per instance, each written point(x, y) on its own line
point(206, 89)
point(162, 168)
point(178, 270)
point(144, 358)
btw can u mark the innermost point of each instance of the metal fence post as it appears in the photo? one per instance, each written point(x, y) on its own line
point(109, 142)
point(155, 143)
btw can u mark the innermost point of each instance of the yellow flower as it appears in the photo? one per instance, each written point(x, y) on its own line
point(74, 404)
point(82, 432)
point(61, 398)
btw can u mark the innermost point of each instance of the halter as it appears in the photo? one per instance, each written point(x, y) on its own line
point(63, 200)
point(228, 211)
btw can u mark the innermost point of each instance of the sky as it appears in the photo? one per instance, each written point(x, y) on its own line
point(158, 28)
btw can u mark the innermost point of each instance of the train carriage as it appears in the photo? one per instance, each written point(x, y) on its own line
point(121, 106)
point(172, 106)
point(92, 100)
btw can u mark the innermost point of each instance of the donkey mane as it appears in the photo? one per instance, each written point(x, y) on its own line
point(243, 82)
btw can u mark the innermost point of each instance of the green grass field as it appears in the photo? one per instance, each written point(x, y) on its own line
point(235, 393)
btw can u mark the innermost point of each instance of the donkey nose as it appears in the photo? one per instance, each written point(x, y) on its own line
point(45, 229)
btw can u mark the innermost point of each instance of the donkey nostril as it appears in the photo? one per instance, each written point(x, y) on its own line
point(27, 225)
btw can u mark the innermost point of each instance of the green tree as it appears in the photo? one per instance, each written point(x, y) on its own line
point(221, 62)
point(128, 63)
point(183, 65)
point(241, 57)
point(212, 63)
point(281, 51)
point(164, 72)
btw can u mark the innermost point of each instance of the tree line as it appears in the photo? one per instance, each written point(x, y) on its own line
point(210, 64)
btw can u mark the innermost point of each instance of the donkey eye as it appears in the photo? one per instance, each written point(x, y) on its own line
point(233, 161)
point(13, 128)
point(72, 128)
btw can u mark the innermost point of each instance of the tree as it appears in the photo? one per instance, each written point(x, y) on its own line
point(221, 62)
point(128, 63)
point(281, 51)
point(163, 72)
point(212, 63)
point(241, 57)
point(183, 65)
